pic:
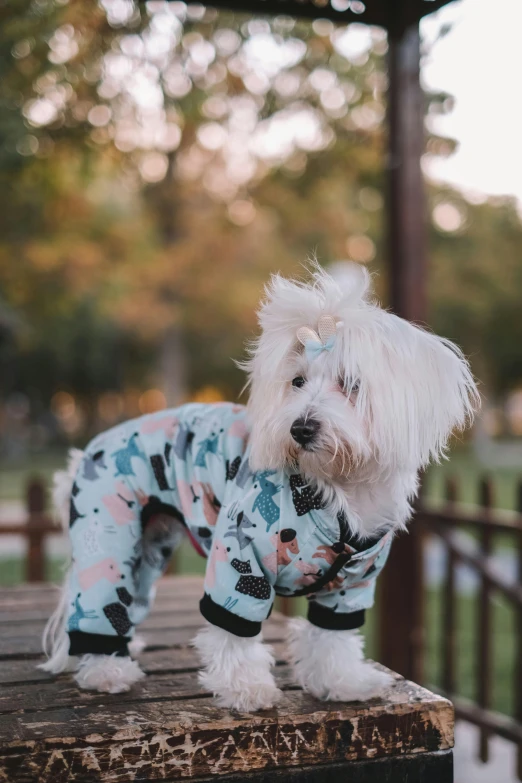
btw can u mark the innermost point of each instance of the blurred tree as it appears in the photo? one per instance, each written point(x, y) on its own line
point(476, 282)
point(169, 158)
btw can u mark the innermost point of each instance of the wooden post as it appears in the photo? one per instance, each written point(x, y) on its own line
point(35, 561)
point(406, 199)
point(401, 630)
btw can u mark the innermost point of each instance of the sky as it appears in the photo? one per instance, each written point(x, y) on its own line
point(479, 62)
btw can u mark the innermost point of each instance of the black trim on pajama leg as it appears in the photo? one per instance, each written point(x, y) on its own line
point(81, 643)
point(218, 615)
point(326, 618)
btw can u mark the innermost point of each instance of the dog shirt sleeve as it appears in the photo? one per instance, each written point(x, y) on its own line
point(239, 591)
point(342, 603)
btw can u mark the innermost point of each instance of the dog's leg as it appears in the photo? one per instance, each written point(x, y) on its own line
point(330, 665)
point(106, 673)
point(113, 674)
point(237, 670)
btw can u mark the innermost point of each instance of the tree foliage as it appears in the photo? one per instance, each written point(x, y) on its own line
point(159, 161)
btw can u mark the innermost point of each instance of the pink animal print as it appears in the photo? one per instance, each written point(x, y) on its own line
point(210, 509)
point(166, 424)
point(143, 498)
point(311, 573)
point(331, 553)
point(238, 429)
point(105, 569)
point(286, 547)
point(270, 561)
point(122, 505)
point(191, 494)
point(218, 554)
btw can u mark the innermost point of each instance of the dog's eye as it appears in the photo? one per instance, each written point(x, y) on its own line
point(348, 386)
point(298, 382)
point(354, 387)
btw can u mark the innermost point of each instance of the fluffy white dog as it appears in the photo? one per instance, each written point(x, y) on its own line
point(299, 494)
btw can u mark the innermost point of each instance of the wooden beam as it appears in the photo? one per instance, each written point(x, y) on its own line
point(401, 632)
point(406, 199)
point(384, 13)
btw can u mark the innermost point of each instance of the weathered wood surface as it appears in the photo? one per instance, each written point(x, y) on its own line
point(168, 728)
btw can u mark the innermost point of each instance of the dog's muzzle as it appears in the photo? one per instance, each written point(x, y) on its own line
point(303, 431)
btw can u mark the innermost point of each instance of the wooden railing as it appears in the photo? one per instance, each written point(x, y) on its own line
point(36, 526)
point(484, 523)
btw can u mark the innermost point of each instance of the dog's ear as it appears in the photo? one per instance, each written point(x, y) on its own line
point(447, 395)
point(422, 392)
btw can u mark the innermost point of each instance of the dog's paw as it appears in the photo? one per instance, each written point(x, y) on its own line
point(107, 673)
point(262, 696)
point(330, 665)
point(363, 682)
point(237, 670)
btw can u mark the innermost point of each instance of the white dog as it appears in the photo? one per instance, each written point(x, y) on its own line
point(299, 494)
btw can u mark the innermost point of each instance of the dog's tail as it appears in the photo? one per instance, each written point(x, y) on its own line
point(63, 481)
point(55, 640)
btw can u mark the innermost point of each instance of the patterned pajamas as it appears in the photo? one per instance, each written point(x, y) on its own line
point(264, 533)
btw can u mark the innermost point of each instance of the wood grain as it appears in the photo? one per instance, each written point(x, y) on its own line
point(168, 728)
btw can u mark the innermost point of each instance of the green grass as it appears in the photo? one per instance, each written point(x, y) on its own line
point(15, 475)
point(468, 472)
point(12, 571)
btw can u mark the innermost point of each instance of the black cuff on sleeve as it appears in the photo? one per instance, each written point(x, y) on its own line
point(218, 615)
point(323, 617)
point(81, 643)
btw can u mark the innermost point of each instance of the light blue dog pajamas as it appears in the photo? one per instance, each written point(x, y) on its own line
point(264, 533)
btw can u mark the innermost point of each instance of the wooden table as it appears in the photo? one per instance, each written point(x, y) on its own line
point(168, 728)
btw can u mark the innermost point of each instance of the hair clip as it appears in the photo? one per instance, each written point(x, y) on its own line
point(315, 344)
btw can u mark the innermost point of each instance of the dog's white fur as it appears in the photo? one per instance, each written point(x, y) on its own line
point(55, 640)
point(237, 670)
point(387, 398)
point(330, 664)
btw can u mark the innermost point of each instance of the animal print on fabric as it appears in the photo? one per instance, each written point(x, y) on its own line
point(304, 497)
point(232, 468)
point(124, 595)
point(255, 586)
point(143, 483)
point(118, 618)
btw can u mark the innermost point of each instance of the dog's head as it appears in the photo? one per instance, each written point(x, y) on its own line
point(339, 385)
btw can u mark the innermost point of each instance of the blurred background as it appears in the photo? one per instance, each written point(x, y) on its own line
point(158, 162)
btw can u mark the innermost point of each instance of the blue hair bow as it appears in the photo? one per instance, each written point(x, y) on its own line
point(315, 344)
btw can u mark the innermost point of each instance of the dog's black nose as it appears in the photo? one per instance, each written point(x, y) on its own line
point(303, 431)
